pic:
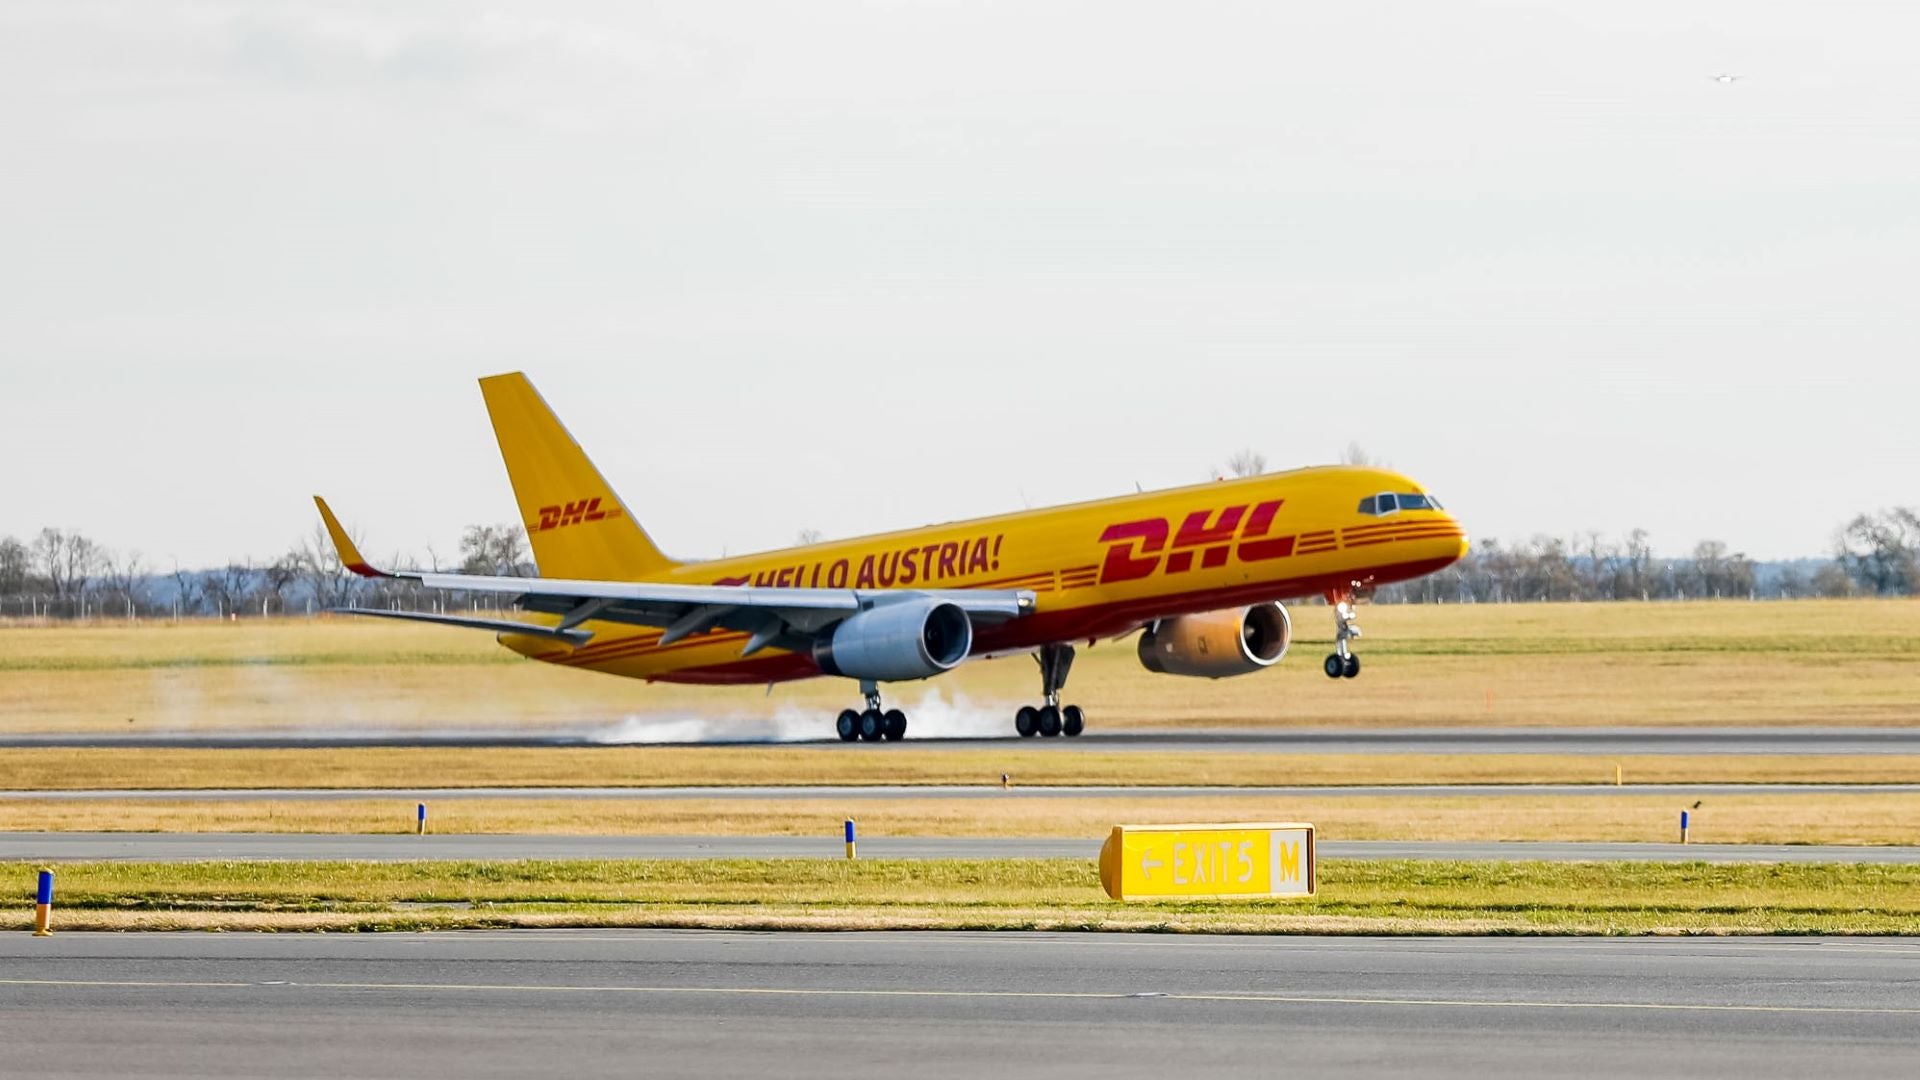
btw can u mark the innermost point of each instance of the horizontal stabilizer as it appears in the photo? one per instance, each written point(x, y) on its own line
point(575, 638)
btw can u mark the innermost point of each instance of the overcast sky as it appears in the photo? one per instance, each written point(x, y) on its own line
point(852, 267)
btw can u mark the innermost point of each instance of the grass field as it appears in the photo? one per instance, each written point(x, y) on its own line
point(1733, 819)
point(1355, 897)
point(1027, 764)
point(1731, 662)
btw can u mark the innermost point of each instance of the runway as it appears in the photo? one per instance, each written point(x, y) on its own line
point(884, 792)
point(190, 847)
point(854, 1006)
point(1490, 740)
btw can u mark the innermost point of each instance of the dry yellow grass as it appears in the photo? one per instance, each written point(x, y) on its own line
point(1804, 662)
point(1355, 897)
point(1890, 818)
point(1029, 765)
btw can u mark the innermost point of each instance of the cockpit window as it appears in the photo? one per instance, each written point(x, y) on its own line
point(1388, 503)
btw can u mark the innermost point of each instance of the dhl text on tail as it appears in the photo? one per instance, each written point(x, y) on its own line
point(1199, 572)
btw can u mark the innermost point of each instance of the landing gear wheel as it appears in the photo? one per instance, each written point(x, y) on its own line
point(848, 725)
point(872, 725)
point(1050, 721)
point(1342, 664)
point(896, 725)
point(1026, 721)
point(1072, 721)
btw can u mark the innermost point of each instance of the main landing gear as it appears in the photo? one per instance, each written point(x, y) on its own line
point(874, 724)
point(1341, 663)
point(1051, 719)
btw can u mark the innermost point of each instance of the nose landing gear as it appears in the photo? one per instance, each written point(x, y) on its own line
point(1341, 663)
point(875, 723)
point(1051, 719)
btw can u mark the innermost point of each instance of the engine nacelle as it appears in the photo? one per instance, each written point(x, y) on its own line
point(909, 639)
point(1216, 644)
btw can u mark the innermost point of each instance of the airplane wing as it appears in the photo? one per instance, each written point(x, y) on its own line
point(787, 618)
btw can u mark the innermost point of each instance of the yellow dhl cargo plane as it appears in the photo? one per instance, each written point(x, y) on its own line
point(1200, 571)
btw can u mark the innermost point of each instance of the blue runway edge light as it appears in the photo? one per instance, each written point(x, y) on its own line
point(43, 906)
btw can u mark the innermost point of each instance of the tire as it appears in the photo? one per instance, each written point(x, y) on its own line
point(1049, 721)
point(872, 725)
point(1026, 721)
point(1072, 721)
point(1352, 667)
point(848, 725)
point(896, 725)
point(1334, 665)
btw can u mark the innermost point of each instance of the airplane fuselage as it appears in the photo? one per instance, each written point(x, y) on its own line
point(1097, 569)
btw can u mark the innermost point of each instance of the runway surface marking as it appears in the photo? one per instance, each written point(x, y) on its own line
point(1077, 995)
point(1337, 943)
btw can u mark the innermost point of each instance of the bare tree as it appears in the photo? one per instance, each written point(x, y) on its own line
point(1879, 551)
point(1832, 580)
point(1637, 567)
point(1245, 462)
point(188, 596)
point(279, 579)
point(808, 537)
point(67, 561)
point(16, 567)
point(495, 550)
point(124, 577)
point(229, 589)
point(1355, 454)
point(327, 581)
point(1598, 563)
point(1705, 577)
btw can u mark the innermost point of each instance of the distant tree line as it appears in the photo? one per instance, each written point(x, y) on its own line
point(1875, 554)
point(63, 574)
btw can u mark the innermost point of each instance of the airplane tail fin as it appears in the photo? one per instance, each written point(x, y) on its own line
point(578, 527)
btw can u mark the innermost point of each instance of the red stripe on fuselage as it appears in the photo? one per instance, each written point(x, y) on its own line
point(1093, 621)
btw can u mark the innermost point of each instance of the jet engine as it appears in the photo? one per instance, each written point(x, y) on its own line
point(1216, 644)
point(906, 639)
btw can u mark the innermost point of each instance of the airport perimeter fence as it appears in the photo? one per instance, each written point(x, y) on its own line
point(42, 610)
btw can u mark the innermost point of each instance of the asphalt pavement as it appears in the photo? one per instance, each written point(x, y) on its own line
point(1483, 740)
point(854, 1006)
point(183, 847)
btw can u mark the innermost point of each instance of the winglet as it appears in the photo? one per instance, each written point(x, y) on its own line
point(342, 543)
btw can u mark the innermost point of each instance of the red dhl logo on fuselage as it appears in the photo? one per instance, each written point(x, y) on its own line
point(1141, 547)
point(571, 513)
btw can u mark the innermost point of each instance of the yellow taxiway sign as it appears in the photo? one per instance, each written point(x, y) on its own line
point(1213, 862)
